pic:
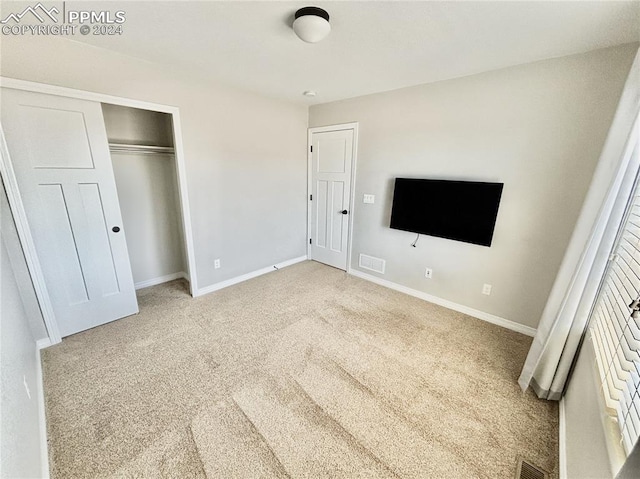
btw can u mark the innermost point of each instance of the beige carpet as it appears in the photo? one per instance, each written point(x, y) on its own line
point(304, 372)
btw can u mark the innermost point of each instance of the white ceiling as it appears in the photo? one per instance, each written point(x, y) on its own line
point(373, 46)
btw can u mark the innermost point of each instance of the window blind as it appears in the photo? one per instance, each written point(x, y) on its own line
point(615, 328)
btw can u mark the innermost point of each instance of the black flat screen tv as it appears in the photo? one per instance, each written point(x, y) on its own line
point(457, 210)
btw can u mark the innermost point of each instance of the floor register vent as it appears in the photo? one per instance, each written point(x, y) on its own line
point(526, 470)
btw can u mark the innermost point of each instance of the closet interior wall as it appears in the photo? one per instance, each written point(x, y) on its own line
point(141, 145)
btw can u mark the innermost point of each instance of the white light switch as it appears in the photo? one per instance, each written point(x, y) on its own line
point(369, 199)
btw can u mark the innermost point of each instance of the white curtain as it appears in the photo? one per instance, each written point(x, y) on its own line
point(565, 316)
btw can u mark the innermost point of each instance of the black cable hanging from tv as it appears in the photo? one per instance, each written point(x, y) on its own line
point(416, 241)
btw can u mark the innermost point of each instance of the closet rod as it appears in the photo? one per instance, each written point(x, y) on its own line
point(130, 148)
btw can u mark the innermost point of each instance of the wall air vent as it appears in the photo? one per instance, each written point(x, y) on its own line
point(371, 263)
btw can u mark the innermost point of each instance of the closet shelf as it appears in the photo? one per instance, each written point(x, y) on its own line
point(131, 148)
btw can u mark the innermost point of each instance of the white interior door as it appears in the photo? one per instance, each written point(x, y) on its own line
point(331, 163)
point(60, 155)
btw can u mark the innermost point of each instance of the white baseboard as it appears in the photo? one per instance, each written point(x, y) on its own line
point(43, 343)
point(42, 418)
point(245, 277)
point(562, 442)
point(490, 318)
point(161, 279)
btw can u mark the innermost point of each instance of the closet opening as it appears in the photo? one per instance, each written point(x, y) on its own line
point(141, 144)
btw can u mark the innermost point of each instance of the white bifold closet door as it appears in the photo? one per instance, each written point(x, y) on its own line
point(60, 154)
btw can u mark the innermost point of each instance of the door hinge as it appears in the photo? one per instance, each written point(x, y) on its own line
point(613, 257)
point(310, 197)
point(311, 148)
point(309, 240)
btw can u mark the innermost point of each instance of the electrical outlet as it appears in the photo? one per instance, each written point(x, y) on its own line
point(216, 264)
point(486, 289)
point(428, 273)
point(370, 199)
point(26, 386)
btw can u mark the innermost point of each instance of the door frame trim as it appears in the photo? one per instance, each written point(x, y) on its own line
point(17, 207)
point(352, 195)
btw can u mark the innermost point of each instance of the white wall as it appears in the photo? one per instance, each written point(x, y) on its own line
point(137, 127)
point(631, 467)
point(147, 192)
point(538, 128)
point(587, 455)
point(20, 451)
point(245, 154)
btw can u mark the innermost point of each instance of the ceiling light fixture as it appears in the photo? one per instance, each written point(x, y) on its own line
point(311, 24)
